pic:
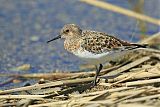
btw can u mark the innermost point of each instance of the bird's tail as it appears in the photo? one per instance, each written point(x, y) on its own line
point(140, 45)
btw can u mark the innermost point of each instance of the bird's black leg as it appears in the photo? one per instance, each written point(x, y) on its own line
point(98, 69)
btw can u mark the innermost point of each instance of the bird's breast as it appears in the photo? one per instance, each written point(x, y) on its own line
point(72, 45)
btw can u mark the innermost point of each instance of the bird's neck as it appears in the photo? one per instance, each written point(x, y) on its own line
point(72, 45)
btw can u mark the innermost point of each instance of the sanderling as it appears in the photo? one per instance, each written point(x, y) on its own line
point(94, 47)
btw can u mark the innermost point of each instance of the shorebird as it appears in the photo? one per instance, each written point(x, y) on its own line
point(94, 47)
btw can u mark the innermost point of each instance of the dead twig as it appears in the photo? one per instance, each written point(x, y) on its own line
point(142, 82)
point(128, 66)
point(142, 98)
point(121, 10)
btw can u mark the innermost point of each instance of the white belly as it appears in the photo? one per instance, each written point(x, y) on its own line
point(98, 58)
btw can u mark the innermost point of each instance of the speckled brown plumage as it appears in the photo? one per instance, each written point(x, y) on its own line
point(72, 45)
point(98, 42)
point(91, 41)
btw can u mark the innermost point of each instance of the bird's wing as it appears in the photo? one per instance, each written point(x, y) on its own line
point(98, 42)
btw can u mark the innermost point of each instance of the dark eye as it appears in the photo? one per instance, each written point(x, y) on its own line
point(67, 30)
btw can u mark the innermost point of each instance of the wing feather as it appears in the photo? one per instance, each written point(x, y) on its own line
point(98, 42)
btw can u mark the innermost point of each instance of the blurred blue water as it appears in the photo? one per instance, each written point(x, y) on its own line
point(26, 25)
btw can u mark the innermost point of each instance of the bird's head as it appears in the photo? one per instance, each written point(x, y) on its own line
point(68, 31)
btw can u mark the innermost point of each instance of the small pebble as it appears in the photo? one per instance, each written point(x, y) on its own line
point(24, 67)
point(34, 38)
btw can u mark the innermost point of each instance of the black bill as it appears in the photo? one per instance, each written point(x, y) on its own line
point(58, 37)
